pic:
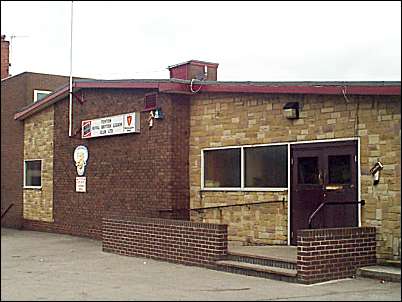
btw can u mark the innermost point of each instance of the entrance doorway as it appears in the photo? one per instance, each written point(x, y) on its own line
point(323, 172)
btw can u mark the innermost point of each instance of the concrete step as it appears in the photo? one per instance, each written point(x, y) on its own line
point(257, 270)
point(386, 273)
point(262, 260)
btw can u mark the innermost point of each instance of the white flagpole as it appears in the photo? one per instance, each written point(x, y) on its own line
point(70, 107)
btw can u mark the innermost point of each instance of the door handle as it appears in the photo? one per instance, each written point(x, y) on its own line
point(320, 178)
point(333, 187)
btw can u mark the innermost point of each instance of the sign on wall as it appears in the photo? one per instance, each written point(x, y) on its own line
point(112, 125)
point(81, 184)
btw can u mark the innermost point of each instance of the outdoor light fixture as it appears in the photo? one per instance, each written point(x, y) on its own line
point(158, 113)
point(291, 110)
point(375, 171)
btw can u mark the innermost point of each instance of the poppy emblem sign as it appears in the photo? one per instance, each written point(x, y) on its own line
point(129, 118)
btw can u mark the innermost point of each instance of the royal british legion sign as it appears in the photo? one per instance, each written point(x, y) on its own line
point(112, 125)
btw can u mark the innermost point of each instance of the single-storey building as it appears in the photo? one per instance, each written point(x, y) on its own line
point(266, 158)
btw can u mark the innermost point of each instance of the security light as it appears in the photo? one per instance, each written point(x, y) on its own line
point(291, 110)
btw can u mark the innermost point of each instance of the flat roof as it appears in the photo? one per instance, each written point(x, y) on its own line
point(183, 87)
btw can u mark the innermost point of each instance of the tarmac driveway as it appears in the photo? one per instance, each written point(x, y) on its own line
point(45, 266)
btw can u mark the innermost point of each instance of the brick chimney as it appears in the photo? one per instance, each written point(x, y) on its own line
point(194, 69)
point(5, 63)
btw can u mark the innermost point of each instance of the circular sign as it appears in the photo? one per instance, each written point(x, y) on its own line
point(81, 158)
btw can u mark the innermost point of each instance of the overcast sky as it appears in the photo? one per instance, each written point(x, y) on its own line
point(251, 41)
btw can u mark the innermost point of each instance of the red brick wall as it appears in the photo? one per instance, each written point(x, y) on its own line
point(17, 92)
point(12, 133)
point(328, 254)
point(191, 70)
point(5, 45)
point(183, 242)
point(62, 228)
point(179, 72)
point(132, 174)
point(180, 156)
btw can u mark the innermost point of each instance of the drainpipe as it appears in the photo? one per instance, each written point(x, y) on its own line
point(70, 105)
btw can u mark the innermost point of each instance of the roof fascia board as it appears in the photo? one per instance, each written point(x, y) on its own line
point(333, 90)
point(139, 85)
point(47, 101)
point(58, 95)
point(183, 88)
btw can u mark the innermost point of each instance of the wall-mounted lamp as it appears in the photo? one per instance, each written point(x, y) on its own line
point(158, 113)
point(375, 171)
point(291, 110)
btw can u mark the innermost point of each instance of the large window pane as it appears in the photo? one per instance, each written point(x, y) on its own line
point(308, 173)
point(33, 169)
point(222, 168)
point(339, 169)
point(266, 167)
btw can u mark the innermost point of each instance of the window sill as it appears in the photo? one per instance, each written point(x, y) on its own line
point(32, 188)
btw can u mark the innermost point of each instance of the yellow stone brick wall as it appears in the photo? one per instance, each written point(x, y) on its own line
point(234, 119)
point(380, 137)
point(256, 224)
point(38, 144)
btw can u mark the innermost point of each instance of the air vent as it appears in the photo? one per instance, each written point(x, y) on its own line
point(150, 102)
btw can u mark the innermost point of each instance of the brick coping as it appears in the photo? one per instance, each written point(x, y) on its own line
point(163, 221)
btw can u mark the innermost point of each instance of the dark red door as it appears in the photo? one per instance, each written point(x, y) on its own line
point(323, 172)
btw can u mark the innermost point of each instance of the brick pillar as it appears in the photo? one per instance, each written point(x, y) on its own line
point(328, 254)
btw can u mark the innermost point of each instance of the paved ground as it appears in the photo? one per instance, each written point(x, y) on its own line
point(43, 266)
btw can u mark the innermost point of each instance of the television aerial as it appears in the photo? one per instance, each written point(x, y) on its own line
point(12, 37)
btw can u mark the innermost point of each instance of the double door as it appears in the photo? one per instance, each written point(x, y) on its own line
point(323, 172)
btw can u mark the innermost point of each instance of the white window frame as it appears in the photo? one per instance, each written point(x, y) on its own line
point(25, 179)
point(242, 172)
point(36, 91)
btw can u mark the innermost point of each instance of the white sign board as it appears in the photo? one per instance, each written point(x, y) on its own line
point(112, 125)
point(81, 184)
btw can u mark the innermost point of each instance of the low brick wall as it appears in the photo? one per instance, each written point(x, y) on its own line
point(328, 254)
point(176, 241)
point(68, 229)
